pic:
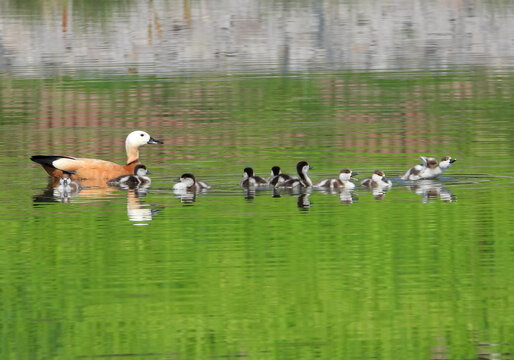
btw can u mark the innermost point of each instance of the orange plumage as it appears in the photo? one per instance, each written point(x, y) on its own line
point(95, 170)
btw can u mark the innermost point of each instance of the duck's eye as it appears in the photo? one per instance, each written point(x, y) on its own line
point(142, 134)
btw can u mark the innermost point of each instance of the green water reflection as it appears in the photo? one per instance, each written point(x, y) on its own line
point(405, 276)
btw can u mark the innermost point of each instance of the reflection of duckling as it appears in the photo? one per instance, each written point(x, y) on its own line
point(277, 176)
point(250, 180)
point(186, 197)
point(303, 201)
point(430, 169)
point(188, 182)
point(347, 197)
point(431, 190)
point(342, 182)
point(302, 182)
point(132, 181)
point(249, 193)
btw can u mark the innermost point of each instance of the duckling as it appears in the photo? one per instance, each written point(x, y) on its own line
point(250, 180)
point(429, 169)
point(67, 187)
point(188, 182)
point(343, 181)
point(377, 180)
point(132, 181)
point(277, 176)
point(303, 181)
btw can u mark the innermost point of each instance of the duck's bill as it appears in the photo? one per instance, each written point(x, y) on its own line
point(153, 141)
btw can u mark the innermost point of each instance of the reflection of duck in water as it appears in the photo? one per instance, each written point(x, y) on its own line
point(432, 190)
point(429, 169)
point(136, 211)
point(378, 184)
point(250, 180)
point(132, 181)
point(277, 176)
point(342, 182)
point(302, 182)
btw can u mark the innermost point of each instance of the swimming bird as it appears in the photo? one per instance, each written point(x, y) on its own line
point(67, 187)
point(95, 169)
point(377, 180)
point(250, 180)
point(188, 182)
point(342, 182)
point(303, 181)
point(277, 176)
point(134, 180)
point(429, 169)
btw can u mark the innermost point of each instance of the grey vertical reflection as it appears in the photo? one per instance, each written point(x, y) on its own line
point(146, 37)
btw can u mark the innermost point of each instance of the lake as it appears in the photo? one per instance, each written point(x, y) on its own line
point(423, 270)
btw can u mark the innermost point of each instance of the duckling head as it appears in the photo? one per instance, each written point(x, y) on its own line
point(188, 179)
point(140, 170)
point(247, 173)
point(446, 162)
point(345, 175)
point(302, 167)
point(275, 171)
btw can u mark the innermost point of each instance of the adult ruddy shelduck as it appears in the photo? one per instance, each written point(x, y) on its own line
point(95, 169)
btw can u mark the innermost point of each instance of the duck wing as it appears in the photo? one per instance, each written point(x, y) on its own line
point(53, 161)
point(81, 168)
